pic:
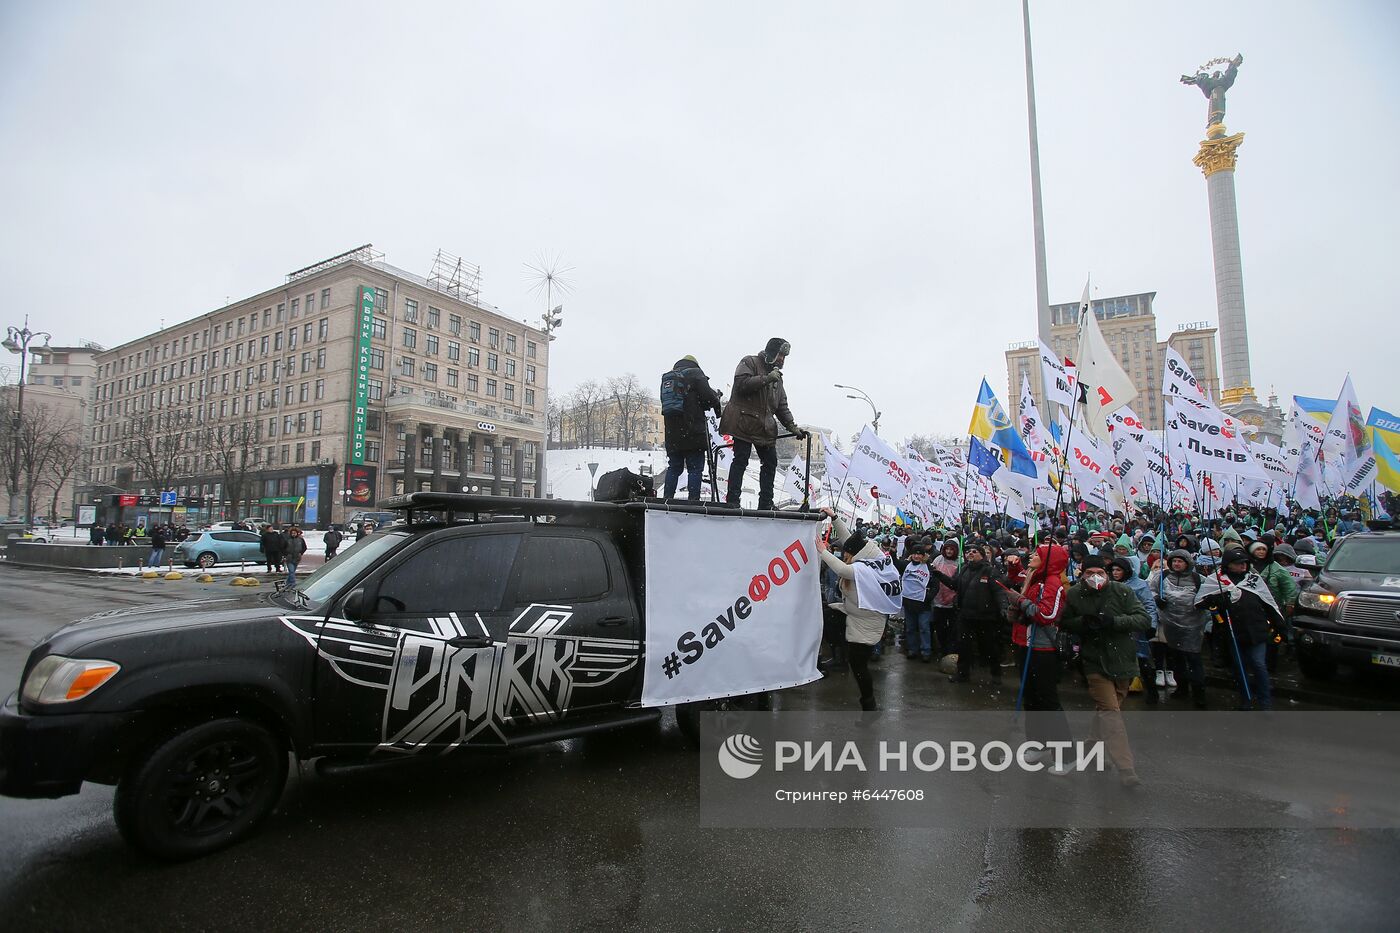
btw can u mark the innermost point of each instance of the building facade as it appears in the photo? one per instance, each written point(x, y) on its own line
point(634, 424)
point(1129, 326)
point(58, 387)
point(351, 381)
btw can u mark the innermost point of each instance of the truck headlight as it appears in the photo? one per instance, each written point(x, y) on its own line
point(57, 679)
point(1316, 600)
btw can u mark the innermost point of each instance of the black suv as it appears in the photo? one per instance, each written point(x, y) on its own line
point(1351, 613)
point(485, 625)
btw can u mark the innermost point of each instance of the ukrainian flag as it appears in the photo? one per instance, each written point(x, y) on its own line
point(1318, 409)
point(991, 426)
point(1384, 431)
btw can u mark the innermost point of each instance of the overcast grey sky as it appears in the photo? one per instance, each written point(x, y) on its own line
point(853, 177)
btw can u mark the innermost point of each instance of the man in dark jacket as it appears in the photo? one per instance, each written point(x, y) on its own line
point(981, 606)
point(157, 546)
point(1107, 617)
point(748, 416)
point(332, 542)
point(273, 545)
point(687, 435)
point(1248, 608)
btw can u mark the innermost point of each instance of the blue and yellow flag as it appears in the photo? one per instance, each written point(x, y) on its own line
point(991, 426)
point(1384, 431)
point(1318, 409)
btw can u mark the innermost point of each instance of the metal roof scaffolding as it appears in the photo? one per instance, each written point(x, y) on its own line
point(452, 276)
point(366, 254)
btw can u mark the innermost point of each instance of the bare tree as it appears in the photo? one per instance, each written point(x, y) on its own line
point(44, 436)
point(923, 443)
point(629, 400)
point(68, 454)
point(157, 446)
point(554, 417)
point(230, 449)
point(589, 400)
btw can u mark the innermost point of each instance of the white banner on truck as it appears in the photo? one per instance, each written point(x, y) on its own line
point(733, 606)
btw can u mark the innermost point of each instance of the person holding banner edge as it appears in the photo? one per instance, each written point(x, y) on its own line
point(864, 627)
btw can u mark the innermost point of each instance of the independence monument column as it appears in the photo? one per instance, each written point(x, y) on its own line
point(1216, 159)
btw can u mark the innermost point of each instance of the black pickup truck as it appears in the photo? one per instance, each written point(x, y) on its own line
point(496, 622)
point(1351, 613)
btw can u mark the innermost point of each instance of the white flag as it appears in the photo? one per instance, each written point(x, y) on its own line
point(876, 464)
point(1178, 380)
point(1346, 441)
point(1059, 378)
point(1211, 438)
point(1103, 386)
point(878, 586)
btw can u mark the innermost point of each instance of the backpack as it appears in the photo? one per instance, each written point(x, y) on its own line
point(623, 486)
point(674, 388)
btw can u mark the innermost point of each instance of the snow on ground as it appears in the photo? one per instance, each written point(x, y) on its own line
point(569, 477)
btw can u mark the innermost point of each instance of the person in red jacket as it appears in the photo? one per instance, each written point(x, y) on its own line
point(1041, 604)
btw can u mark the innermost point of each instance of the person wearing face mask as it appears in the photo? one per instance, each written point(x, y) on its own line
point(1107, 617)
point(1036, 632)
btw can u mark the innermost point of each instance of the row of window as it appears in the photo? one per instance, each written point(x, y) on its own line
point(433, 321)
point(230, 330)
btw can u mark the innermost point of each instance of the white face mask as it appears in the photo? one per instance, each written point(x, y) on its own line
point(1096, 581)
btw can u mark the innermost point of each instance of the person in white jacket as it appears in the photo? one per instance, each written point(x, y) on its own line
point(864, 627)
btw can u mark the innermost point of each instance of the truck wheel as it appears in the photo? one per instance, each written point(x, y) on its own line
point(207, 559)
point(1317, 665)
point(688, 714)
point(206, 788)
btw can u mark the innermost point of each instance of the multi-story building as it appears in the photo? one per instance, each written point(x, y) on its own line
point(58, 387)
point(1129, 326)
point(351, 381)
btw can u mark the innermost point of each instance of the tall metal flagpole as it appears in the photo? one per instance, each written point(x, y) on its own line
point(1042, 288)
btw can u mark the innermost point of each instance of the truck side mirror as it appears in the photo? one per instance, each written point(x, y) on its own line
point(353, 607)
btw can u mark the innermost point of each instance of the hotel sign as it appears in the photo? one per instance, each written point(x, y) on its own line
point(359, 403)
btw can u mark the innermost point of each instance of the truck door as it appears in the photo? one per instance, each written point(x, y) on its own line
point(421, 666)
point(575, 639)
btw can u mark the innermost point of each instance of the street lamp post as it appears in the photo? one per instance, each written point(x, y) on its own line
point(17, 340)
point(875, 425)
point(552, 320)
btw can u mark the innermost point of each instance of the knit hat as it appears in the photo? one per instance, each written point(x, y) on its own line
point(691, 359)
point(1233, 556)
point(1092, 561)
point(854, 543)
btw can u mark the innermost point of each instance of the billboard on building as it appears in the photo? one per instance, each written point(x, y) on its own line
point(360, 480)
point(311, 513)
point(359, 403)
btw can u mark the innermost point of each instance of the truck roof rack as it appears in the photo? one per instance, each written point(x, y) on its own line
point(460, 503)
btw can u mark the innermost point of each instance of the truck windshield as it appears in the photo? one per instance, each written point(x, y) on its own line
point(329, 580)
point(1367, 555)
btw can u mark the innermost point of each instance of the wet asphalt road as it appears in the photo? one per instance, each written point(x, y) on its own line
point(602, 833)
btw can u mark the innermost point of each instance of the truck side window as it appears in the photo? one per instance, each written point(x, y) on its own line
point(464, 573)
point(559, 569)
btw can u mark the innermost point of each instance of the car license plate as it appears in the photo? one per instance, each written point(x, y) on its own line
point(1386, 660)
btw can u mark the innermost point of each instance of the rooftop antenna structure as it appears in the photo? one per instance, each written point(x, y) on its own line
point(549, 275)
point(452, 276)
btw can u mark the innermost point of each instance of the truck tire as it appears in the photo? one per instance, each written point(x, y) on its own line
point(201, 790)
point(1317, 665)
point(688, 714)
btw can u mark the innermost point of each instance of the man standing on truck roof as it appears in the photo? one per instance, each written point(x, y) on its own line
point(748, 417)
point(685, 398)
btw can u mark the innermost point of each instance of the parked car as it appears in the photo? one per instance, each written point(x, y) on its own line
point(207, 548)
point(1351, 612)
point(191, 710)
point(381, 520)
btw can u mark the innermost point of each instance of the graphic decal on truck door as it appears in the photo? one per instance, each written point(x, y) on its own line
point(440, 694)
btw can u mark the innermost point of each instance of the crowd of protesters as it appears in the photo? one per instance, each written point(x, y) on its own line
point(1119, 603)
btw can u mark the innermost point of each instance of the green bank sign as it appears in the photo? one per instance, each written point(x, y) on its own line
point(359, 404)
